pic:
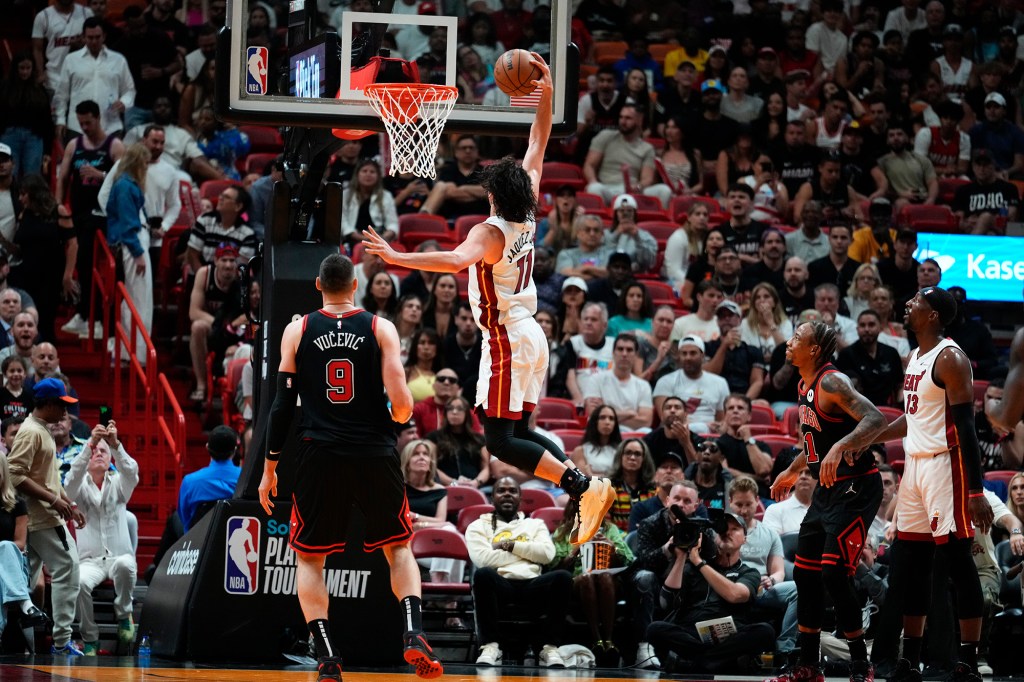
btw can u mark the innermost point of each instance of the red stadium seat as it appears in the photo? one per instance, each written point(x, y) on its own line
point(462, 496)
point(891, 413)
point(661, 230)
point(468, 515)
point(211, 189)
point(791, 421)
point(551, 516)
point(928, 218)
point(570, 438)
point(894, 451)
point(980, 386)
point(557, 413)
point(531, 499)
point(778, 443)
point(593, 204)
point(465, 223)
point(257, 163)
point(1003, 475)
point(555, 174)
point(762, 414)
point(758, 430)
point(679, 207)
point(263, 139)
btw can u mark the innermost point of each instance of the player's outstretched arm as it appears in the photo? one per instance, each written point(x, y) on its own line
point(483, 243)
point(953, 370)
point(281, 412)
point(540, 131)
point(1004, 414)
point(839, 391)
point(392, 372)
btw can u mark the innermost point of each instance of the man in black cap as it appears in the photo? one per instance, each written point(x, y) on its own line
point(216, 481)
point(985, 205)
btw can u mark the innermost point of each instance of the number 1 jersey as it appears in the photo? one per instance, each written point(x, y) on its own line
point(821, 430)
point(341, 386)
point(504, 292)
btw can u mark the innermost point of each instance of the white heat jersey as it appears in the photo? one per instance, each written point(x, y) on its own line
point(504, 292)
point(929, 422)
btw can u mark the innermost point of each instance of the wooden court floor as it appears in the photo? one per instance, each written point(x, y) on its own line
point(123, 670)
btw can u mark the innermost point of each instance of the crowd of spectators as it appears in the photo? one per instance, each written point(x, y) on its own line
point(800, 132)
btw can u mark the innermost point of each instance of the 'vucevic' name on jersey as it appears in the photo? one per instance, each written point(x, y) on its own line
point(338, 369)
point(822, 430)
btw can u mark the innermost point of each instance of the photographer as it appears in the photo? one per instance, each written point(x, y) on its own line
point(654, 539)
point(699, 590)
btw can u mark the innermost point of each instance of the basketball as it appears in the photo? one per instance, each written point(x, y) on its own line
point(514, 73)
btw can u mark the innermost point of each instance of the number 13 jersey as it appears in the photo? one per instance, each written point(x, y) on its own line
point(929, 424)
point(821, 430)
point(504, 292)
point(340, 383)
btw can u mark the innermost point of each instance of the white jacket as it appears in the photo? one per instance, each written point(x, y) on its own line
point(532, 552)
point(382, 212)
point(106, 529)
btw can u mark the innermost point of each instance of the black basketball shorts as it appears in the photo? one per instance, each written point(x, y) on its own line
point(836, 525)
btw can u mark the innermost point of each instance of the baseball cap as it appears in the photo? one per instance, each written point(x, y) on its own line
point(797, 75)
point(766, 52)
point(565, 191)
point(673, 455)
point(995, 97)
point(853, 128)
point(620, 257)
point(428, 8)
point(624, 201)
point(52, 388)
point(982, 157)
point(880, 206)
point(953, 30)
point(716, 48)
point(225, 251)
point(691, 340)
point(730, 306)
point(906, 235)
point(809, 315)
point(577, 282)
point(1008, 31)
point(4, 150)
point(722, 524)
point(222, 440)
point(941, 302)
point(712, 84)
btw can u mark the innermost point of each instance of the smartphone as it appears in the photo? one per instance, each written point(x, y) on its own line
point(106, 415)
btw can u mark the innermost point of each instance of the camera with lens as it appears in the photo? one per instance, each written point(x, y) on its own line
point(688, 531)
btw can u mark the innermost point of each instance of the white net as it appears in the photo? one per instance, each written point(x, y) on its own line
point(414, 115)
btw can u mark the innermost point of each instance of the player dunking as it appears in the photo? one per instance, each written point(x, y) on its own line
point(837, 424)
point(514, 360)
point(941, 491)
point(339, 361)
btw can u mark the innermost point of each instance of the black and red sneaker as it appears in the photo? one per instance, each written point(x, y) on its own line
point(862, 671)
point(965, 673)
point(799, 673)
point(329, 668)
point(419, 655)
point(905, 672)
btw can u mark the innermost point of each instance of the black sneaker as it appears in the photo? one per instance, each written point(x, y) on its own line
point(34, 617)
point(329, 668)
point(905, 672)
point(799, 673)
point(965, 673)
point(419, 655)
point(862, 671)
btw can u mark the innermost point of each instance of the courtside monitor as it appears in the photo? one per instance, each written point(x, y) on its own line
point(317, 81)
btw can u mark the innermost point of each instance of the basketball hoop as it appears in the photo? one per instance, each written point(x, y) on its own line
point(414, 115)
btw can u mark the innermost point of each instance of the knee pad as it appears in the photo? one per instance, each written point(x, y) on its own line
point(915, 562)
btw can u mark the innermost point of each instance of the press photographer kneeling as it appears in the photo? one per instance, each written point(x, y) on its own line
point(708, 582)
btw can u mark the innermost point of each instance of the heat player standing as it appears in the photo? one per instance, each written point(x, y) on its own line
point(340, 360)
point(514, 358)
point(941, 490)
point(837, 424)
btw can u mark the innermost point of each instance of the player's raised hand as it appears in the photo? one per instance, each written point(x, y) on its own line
point(829, 465)
point(545, 73)
point(783, 484)
point(981, 512)
point(377, 245)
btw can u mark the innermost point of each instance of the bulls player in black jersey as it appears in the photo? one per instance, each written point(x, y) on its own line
point(340, 360)
point(837, 424)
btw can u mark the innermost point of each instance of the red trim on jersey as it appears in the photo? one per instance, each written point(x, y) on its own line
point(488, 295)
point(807, 564)
point(338, 316)
point(297, 524)
point(499, 386)
point(305, 321)
point(529, 407)
point(919, 537)
point(964, 528)
point(403, 517)
point(866, 473)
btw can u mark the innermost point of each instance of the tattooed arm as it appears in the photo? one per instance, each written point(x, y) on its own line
point(836, 390)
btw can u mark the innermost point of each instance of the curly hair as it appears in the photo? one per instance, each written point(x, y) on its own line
point(511, 189)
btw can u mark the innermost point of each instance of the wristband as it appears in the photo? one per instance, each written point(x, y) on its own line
point(55, 498)
point(701, 565)
point(975, 495)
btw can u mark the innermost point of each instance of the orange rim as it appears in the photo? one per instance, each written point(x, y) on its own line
point(400, 102)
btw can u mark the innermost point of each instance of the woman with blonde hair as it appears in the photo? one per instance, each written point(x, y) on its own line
point(1015, 495)
point(14, 594)
point(766, 324)
point(128, 235)
point(428, 507)
point(685, 245)
point(367, 202)
point(858, 296)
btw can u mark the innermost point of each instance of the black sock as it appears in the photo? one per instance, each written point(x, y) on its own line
point(412, 610)
point(969, 654)
point(810, 647)
point(912, 650)
point(321, 632)
point(858, 649)
point(574, 482)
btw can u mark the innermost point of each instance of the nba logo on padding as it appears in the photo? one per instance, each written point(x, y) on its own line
point(242, 555)
point(256, 60)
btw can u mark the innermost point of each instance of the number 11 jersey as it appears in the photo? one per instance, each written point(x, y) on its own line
point(821, 430)
point(504, 292)
point(340, 384)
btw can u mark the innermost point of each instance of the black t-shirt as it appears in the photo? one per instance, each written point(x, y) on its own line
point(796, 165)
point(902, 282)
point(735, 452)
point(462, 460)
point(341, 385)
point(738, 364)
point(451, 173)
point(424, 502)
point(856, 171)
point(414, 200)
point(793, 305)
point(11, 406)
point(713, 496)
point(823, 271)
point(465, 361)
point(747, 241)
point(711, 137)
point(879, 377)
point(975, 198)
point(660, 445)
point(8, 519)
point(759, 272)
point(990, 442)
point(700, 602)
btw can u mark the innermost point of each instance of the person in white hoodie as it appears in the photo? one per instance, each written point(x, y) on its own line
point(510, 551)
